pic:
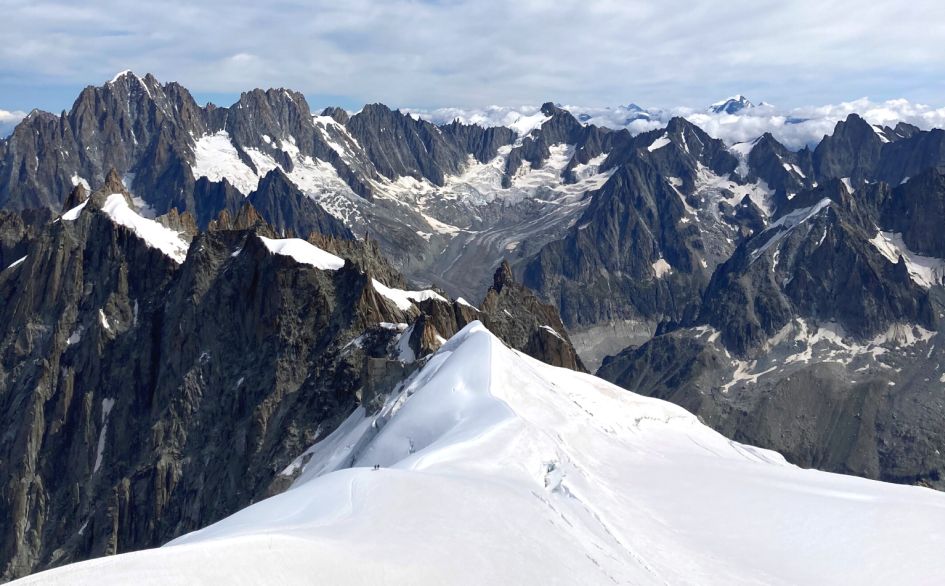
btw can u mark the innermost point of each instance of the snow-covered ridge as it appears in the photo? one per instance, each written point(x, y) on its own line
point(304, 252)
point(788, 222)
point(404, 300)
point(153, 233)
point(496, 468)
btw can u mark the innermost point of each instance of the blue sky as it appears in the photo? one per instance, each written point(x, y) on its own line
point(428, 54)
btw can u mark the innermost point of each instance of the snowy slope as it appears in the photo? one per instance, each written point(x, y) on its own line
point(153, 233)
point(498, 469)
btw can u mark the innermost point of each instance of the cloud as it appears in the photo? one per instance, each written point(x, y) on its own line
point(475, 52)
point(8, 120)
point(795, 127)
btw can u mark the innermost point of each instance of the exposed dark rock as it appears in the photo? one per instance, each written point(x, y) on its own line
point(806, 265)
point(17, 232)
point(114, 126)
point(77, 196)
point(143, 398)
point(872, 416)
point(604, 268)
point(401, 146)
point(339, 115)
point(286, 208)
point(916, 209)
point(210, 198)
point(853, 151)
point(561, 127)
point(520, 319)
point(481, 143)
point(784, 171)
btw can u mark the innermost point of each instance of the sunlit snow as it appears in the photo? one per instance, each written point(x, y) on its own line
point(154, 234)
point(304, 252)
point(404, 300)
point(923, 270)
point(498, 469)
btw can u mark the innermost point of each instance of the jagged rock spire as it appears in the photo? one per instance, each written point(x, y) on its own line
point(503, 276)
point(78, 195)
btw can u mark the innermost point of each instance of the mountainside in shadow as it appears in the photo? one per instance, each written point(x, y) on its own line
point(154, 380)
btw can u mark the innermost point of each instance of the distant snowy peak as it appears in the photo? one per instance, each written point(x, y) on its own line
point(732, 105)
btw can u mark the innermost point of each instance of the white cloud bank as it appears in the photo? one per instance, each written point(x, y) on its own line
point(794, 127)
point(8, 120)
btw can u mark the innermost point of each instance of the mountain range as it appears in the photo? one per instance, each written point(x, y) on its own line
point(194, 296)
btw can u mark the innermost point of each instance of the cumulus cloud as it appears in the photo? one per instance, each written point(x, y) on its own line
point(431, 53)
point(8, 120)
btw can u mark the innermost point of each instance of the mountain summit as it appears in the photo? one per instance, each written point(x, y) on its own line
point(732, 105)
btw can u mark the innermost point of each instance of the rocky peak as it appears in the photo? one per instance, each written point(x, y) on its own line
point(853, 151)
point(784, 171)
point(854, 129)
point(688, 148)
point(915, 210)
point(113, 182)
point(678, 125)
point(804, 265)
point(78, 195)
point(552, 109)
point(732, 105)
point(503, 276)
point(560, 128)
point(288, 210)
point(247, 218)
point(286, 108)
point(182, 223)
point(905, 130)
point(339, 115)
point(280, 114)
point(482, 143)
point(515, 314)
point(401, 146)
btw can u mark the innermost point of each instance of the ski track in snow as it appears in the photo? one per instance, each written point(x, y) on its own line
point(496, 468)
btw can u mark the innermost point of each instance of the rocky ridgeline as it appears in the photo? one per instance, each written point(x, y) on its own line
point(146, 395)
point(792, 299)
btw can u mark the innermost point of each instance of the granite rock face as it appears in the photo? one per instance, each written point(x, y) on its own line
point(144, 396)
point(288, 210)
point(805, 265)
point(646, 245)
point(815, 340)
point(399, 145)
point(525, 322)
